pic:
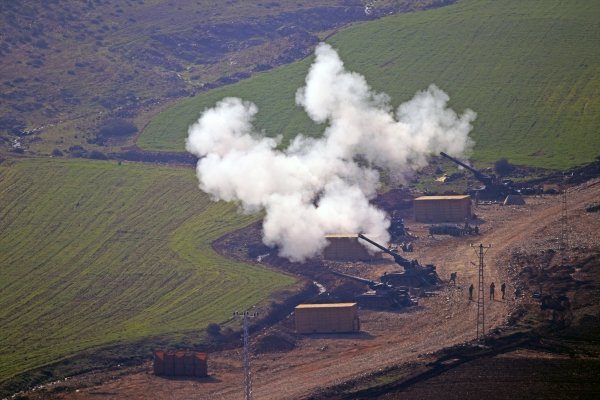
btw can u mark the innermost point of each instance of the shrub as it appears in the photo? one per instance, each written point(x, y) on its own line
point(97, 155)
point(57, 153)
point(117, 127)
point(213, 329)
point(41, 43)
point(77, 151)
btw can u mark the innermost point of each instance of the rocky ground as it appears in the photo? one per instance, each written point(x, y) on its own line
point(422, 351)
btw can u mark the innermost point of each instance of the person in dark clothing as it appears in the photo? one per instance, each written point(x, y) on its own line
point(471, 292)
point(492, 288)
point(503, 289)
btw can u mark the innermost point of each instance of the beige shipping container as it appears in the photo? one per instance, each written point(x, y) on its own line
point(442, 208)
point(346, 247)
point(327, 318)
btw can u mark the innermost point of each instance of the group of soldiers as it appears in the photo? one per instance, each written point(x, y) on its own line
point(492, 290)
point(453, 276)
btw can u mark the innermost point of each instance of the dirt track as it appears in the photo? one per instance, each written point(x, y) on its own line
point(387, 338)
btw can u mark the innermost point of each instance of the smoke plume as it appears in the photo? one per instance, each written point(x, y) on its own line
point(320, 186)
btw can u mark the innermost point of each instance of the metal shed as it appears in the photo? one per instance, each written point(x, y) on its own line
point(442, 208)
point(327, 318)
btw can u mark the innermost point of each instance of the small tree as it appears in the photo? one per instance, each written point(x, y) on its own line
point(97, 155)
point(116, 127)
point(213, 329)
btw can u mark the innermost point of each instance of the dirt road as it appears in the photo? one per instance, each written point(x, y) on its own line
point(387, 338)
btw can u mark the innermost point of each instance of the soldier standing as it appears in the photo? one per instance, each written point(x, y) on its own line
point(503, 289)
point(471, 292)
point(492, 287)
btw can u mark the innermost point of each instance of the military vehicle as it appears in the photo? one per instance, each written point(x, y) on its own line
point(414, 274)
point(492, 189)
point(381, 295)
point(454, 230)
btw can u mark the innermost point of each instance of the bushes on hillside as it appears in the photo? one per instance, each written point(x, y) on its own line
point(116, 128)
point(213, 329)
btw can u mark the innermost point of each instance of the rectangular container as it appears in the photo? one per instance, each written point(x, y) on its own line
point(159, 362)
point(327, 318)
point(180, 363)
point(442, 208)
point(200, 365)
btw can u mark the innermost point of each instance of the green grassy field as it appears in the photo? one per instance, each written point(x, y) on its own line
point(93, 253)
point(531, 70)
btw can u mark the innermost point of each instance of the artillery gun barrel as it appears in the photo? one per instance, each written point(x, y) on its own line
point(369, 282)
point(397, 257)
point(485, 179)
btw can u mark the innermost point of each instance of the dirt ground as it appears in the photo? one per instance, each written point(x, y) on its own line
point(387, 339)
point(519, 374)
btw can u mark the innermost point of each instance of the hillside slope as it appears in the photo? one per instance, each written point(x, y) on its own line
point(67, 66)
point(93, 253)
point(531, 70)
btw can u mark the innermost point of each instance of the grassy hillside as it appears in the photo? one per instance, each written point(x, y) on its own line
point(531, 70)
point(65, 67)
point(93, 253)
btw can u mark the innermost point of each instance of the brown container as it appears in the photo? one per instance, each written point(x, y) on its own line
point(159, 362)
point(169, 364)
point(188, 364)
point(442, 208)
point(179, 365)
point(200, 365)
point(327, 318)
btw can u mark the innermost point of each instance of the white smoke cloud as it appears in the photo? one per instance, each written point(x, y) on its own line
point(320, 186)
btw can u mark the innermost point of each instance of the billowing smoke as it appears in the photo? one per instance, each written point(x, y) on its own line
point(320, 186)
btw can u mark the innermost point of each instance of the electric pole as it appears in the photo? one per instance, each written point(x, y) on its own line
point(564, 226)
point(481, 250)
point(246, 337)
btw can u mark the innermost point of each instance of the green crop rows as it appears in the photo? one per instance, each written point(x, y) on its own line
point(94, 253)
point(531, 70)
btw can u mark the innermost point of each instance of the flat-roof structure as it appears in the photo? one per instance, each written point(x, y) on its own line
point(442, 208)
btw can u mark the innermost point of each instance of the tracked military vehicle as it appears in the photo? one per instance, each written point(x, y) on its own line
point(414, 274)
point(381, 295)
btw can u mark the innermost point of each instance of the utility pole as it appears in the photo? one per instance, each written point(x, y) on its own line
point(481, 250)
point(564, 226)
point(246, 337)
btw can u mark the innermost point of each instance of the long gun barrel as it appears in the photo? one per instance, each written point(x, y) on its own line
point(372, 284)
point(483, 178)
point(406, 264)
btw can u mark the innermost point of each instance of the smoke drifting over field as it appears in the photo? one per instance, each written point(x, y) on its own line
point(320, 186)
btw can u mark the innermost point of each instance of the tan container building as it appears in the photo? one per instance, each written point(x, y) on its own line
point(346, 247)
point(442, 208)
point(327, 318)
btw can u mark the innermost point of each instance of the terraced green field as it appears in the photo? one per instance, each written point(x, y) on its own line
point(531, 70)
point(95, 253)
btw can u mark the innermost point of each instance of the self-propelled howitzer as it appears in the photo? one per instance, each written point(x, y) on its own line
point(381, 295)
point(403, 262)
point(487, 180)
point(414, 274)
point(493, 188)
